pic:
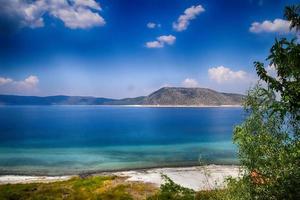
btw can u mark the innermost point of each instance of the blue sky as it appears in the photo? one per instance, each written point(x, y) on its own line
point(128, 48)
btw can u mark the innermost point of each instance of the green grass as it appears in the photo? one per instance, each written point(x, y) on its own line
point(96, 187)
point(103, 188)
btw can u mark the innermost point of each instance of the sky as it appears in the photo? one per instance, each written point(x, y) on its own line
point(129, 48)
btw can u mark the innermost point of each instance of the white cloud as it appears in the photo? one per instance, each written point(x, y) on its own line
point(153, 25)
point(74, 13)
point(88, 3)
point(80, 14)
point(154, 44)
point(168, 39)
point(25, 13)
point(78, 18)
point(189, 82)
point(29, 84)
point(223, 74)
point(227, 80)
point(189, 14)
point(278, 26)
point(161, 41)
point(31, 81)
point(4, 80)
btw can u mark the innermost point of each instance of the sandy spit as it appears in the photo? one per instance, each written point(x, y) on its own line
point(197, 177)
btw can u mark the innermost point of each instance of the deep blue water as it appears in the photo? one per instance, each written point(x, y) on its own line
point(74, 139)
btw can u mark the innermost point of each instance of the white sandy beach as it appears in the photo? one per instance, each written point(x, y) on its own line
point(14, 179)
point(197, 178)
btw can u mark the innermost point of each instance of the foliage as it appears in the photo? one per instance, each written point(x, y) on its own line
point(268, 140)
point(285, 58)
point(216, 194)
point(171, 190)
point(291, 13)
point(268, 152)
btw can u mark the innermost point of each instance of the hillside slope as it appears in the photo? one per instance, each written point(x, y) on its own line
point(164, 96)
point(191, 96)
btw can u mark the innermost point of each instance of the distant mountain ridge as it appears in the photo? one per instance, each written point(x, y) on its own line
point(164, 96)
point(191, 96)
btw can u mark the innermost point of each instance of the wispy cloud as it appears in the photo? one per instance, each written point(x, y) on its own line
point(75, 14)
point(154, 44)
point(161, 41)
point(28, 85)
point(190, 83)
point(153, 25)
point(189, 14)
point(4, 80)
point(168, 39)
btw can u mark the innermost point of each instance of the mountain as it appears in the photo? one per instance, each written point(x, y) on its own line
point(163, 96)
point(191, 96)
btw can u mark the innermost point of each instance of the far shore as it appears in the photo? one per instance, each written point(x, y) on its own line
point(146, 106)
point(141, 106)
point(194, 177)
point(183, 106)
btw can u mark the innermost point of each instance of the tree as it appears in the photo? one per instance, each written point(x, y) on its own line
point(268, 140)
point(291, 13)
point(285, 58)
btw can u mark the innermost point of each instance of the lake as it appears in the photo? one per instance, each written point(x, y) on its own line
point(60, 140)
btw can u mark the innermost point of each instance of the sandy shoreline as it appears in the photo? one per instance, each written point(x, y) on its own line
point(179, 106)
point(14, 179)
point(141, 106)
point(196, 177)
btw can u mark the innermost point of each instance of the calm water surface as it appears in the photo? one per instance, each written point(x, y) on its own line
point(56, 140)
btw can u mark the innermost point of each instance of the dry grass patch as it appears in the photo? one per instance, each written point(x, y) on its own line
point(89, 188)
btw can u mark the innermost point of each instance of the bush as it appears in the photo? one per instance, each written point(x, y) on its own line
point(171, 190)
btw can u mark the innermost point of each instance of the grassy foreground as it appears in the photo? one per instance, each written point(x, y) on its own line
point(95, 187)
point(99, 187)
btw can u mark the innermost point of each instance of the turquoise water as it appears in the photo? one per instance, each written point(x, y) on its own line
point(56, 140)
